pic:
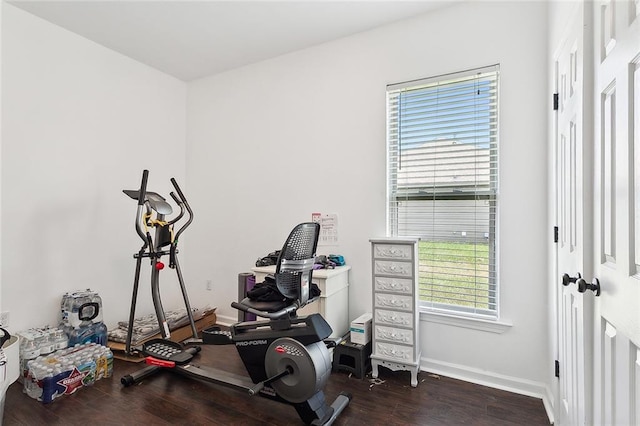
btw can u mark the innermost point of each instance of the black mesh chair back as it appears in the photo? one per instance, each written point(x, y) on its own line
point(295, 263)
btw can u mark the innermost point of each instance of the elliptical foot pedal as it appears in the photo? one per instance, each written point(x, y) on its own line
point(216, 336)
point(166, 350)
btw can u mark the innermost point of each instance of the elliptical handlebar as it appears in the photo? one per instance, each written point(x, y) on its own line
point(149, 202)
point(180, 204)
point(183, 200)
point(141, 200)
point(143, 187)
point(157, 202)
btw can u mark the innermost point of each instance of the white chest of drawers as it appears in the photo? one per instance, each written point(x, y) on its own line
point(395, 334)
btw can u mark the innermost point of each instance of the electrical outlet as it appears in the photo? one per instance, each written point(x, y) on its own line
point(209, 285)
point(4, 319)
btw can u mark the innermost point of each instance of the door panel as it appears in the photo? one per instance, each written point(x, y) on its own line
point(617, 211)
point(619, 405)
point(608, 200)
point(573, 213)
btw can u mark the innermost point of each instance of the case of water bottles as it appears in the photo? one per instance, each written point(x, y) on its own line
point(38, 342)
point(58, 361)
point(65, 371)
point(82, 317)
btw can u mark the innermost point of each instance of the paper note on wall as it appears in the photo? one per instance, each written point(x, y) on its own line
point(328, 228)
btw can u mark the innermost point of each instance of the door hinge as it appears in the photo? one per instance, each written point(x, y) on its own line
point(555, 101)
point(555, 234)
point(557, 368)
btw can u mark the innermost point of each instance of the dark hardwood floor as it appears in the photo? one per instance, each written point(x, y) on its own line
point(170, 399)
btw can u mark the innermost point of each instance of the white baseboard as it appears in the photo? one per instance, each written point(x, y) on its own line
point(548, 402)
point(226, 320)
point(493, 380)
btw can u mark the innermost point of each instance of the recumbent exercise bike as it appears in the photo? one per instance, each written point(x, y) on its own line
point(286, 356)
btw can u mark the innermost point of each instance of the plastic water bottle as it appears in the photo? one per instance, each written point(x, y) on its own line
point(47, 385)
point(109, 355)
point(100, 330)
point(28, 351)
point(87, 366)
point(61, 341)
point(31, 387)
point(104, 362)
point(46, 342)
point(101, 363)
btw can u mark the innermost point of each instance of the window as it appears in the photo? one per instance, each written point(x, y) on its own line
point(442, 137)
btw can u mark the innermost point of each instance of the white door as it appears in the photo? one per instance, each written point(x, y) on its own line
point(616, 64)
point(573, 215)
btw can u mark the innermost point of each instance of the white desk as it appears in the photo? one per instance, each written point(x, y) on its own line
point(333, 303)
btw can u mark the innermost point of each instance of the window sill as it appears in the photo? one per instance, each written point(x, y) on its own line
point(497, 327)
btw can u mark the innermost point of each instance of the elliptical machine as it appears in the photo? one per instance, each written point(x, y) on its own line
point(286, 356)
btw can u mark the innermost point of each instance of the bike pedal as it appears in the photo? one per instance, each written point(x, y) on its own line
point(216, 336)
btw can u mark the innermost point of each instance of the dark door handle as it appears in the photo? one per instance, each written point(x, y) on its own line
point(584, 286)
point(566, 279)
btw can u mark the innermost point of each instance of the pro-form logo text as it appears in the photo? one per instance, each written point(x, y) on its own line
point(251, 343)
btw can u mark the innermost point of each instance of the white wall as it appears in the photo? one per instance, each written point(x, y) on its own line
point(80, 122)
point(270, 143)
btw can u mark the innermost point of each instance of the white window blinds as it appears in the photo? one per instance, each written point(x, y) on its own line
point(442, 136)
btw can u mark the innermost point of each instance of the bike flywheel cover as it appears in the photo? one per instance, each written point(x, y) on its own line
point(310, 368)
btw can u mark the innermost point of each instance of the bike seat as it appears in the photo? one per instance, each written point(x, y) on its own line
point(270, 306)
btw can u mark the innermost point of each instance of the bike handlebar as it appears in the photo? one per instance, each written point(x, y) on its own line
point(271, 315)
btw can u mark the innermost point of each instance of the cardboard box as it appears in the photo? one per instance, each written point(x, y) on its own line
point(361, 329)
